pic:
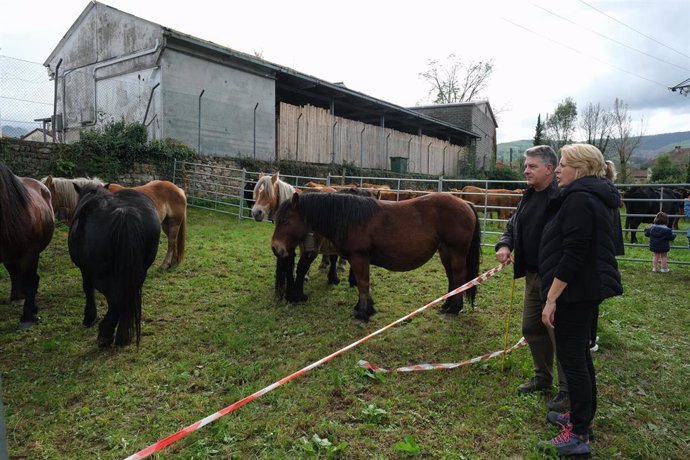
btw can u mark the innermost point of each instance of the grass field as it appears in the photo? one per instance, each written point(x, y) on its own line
point(213, 334)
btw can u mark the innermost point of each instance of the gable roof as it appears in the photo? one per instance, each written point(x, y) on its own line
point(298, 88)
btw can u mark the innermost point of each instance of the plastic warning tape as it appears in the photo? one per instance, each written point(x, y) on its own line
point(431, 367)
point(213, 417)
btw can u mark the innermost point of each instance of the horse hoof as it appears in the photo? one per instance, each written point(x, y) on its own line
point(299, 298)
point(335, 281)
point(104, 342)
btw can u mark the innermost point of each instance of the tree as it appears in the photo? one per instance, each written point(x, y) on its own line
point(539, 132)
point(625, 141)
point(596, 124)
point(456, 81)
point(560, 126)
point(664, 171)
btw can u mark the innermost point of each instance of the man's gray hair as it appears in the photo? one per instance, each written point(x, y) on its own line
point(543, 152)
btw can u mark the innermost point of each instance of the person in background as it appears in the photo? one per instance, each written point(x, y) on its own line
point(522, 236)
point(660, 237)
point(577, 263)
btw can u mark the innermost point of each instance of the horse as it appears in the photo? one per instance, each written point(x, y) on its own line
point(269, 192)
point(113, 240)
point(26, 228)
point(63, 196)
point(171, 207)
point(398, 236)
point(643, 203)
point(503, 201)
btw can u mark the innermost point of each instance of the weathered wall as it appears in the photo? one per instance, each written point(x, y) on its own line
point(227, 107)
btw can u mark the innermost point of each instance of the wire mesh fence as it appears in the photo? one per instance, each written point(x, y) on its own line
point(26, 99)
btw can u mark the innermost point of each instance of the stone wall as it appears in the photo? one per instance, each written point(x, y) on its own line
point(28, 158)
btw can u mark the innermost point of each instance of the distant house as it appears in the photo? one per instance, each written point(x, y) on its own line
point(38, 135)
point(473, 116)
point(112, 66)
point(641, 175)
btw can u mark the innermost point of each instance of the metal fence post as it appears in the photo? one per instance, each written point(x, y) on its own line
point(243, 182)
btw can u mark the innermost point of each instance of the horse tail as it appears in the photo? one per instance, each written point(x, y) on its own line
point(128, 245)
point(473, 256)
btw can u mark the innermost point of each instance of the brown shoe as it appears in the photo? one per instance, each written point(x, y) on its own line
point(534, 384)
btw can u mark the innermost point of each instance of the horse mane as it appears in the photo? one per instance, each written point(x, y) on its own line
point(333, 214)
point(67, 196)
point(285, 190)
point(14, 203)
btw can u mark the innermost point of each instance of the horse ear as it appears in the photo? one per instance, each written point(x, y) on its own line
point(77, 188)
point(48, 181)
point(295, 199)
point(275, 177)
point(261, 174)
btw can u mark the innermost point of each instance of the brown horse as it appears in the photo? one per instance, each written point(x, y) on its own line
point(171, 205)
point(399, 236)
point(26, 228)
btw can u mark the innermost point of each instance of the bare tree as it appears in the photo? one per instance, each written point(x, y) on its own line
point(596, 125)
point(560, 126)
point(625, 140)
point(456, 81)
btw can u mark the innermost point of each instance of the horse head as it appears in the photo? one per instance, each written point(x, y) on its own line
point(290, 228)
point(265, 197)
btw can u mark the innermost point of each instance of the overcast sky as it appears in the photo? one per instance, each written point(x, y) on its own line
point(543, 51)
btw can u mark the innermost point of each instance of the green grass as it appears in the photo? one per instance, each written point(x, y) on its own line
point(213, 334)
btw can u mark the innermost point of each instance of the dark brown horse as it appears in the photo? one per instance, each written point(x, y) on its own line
point(26, 228)
point(399, 236)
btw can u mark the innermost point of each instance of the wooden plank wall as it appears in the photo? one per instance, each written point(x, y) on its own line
point(366, 146)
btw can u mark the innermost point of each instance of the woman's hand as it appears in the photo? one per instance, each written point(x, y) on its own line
point(548, 313)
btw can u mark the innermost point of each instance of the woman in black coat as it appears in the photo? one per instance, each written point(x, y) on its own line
point(577, 263)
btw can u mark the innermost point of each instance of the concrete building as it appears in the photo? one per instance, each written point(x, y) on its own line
point(113, 66)
point(474, 116)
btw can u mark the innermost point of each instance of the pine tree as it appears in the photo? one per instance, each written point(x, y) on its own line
point(539, 132)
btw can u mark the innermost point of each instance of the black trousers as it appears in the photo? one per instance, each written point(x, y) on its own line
point(572, 327)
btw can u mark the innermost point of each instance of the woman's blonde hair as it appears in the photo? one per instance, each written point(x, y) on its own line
point(587, 160)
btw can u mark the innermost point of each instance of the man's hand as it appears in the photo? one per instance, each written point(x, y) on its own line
point(503, 254)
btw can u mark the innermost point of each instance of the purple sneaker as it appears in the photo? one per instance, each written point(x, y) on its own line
point(568, 444)
point(563, 419)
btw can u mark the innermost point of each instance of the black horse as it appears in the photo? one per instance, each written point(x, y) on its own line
point(114, 240)
point(643, 203)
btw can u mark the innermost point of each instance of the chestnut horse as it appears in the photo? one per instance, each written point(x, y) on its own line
point(171, 206)
point(398, 236)
point(26, 228)
point(269, 192)
point(63, 195)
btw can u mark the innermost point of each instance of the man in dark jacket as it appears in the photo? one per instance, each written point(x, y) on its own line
point(522, 235)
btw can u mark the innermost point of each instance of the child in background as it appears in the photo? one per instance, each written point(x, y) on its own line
point(660, 237)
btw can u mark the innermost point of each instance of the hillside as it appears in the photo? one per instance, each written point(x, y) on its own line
point(650, 147)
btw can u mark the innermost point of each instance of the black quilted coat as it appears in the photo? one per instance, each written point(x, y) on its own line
point(580, 242)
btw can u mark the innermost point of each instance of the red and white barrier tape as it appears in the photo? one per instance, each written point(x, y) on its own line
point(213, 417)
point(431, 367)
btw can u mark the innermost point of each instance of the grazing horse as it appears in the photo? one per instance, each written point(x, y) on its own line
point(26, 228)
point(114, 240)
point(63, 196)
point(269, 192)
point(171, 206)
point(398, 236)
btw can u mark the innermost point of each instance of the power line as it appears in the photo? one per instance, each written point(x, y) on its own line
point(609, 38)
point(584, 54)
point(633, 29)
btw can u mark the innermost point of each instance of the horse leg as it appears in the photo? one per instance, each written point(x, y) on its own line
point(324, 263)
point(90, 313)
point(106, 329)
point(364, 307)
point(17, 294)
point(455, 272)
point(332, 270)
point(29, 285)
point(284, 275)
point(171, 229)
point(352, 279)
point(297, 293)
point(342, 263)
point(631, 223)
